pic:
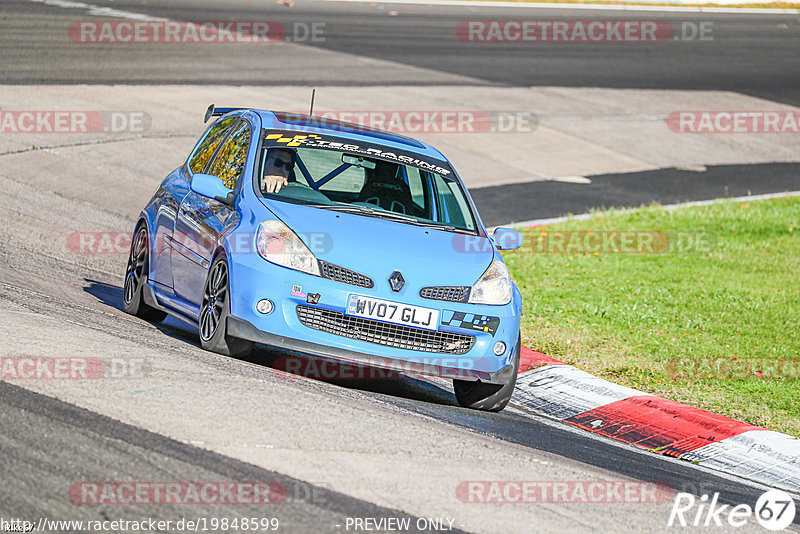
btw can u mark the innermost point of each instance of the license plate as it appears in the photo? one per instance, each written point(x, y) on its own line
point(392, 312)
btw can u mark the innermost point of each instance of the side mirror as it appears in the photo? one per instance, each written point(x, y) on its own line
point(507, 239)
point(212, 187)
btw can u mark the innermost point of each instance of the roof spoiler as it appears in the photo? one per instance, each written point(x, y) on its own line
point(216, 112)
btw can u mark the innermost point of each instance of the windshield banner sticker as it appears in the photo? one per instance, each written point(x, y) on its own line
point(316, 141)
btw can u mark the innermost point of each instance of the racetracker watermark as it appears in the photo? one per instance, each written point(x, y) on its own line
point(145, 524)
point(73, 122)
point(185, 492)
point(581, 31)
point(732, 368)
point(733, 122)
point(595, 242)
point(563, 491)
point(429, 121)
point(194, 32)
point(293, 367)
point(102, 243)
point(72, 368)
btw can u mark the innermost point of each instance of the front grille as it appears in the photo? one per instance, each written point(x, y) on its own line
point(448, 293)
point(340, 274)
point(380, 333)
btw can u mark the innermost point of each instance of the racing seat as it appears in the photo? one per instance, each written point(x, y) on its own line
point(383, 188)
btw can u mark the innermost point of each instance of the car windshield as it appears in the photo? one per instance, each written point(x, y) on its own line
point(337, 174)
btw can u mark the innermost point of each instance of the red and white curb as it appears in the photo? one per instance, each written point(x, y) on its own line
point(565, 393)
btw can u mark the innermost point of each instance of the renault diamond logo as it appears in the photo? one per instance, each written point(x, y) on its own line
point(396, 281)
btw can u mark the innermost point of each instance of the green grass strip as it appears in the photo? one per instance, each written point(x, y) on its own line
point(700, 305)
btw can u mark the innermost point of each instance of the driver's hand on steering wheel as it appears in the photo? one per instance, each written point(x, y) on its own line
point(273, 183)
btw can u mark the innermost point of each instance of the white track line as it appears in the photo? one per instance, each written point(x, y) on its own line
point(617, 7)
point(585, 216)
point(97, 11)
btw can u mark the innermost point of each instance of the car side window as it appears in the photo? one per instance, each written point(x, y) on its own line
point(229, 163)
point(209, 143)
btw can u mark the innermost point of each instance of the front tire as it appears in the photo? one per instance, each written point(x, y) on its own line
point(487, 397)
point(216, 306)
point(136, 276)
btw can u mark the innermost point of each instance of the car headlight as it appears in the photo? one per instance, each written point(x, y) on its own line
point(494, 287)
point(276, 243)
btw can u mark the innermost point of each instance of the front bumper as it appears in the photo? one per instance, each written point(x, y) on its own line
point(253, 279)
point(244, 330)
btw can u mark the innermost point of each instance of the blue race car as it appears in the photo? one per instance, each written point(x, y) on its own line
point(333, 240)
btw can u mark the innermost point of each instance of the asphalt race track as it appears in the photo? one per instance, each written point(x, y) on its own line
point(542, 200)
point(750, 54)
point(340, 449)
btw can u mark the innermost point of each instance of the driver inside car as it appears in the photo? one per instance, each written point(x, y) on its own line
point(278, 169)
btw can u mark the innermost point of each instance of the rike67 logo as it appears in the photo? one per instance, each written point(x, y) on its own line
point(774, 510)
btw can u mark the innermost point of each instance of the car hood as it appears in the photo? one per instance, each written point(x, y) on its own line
point(377, 247)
